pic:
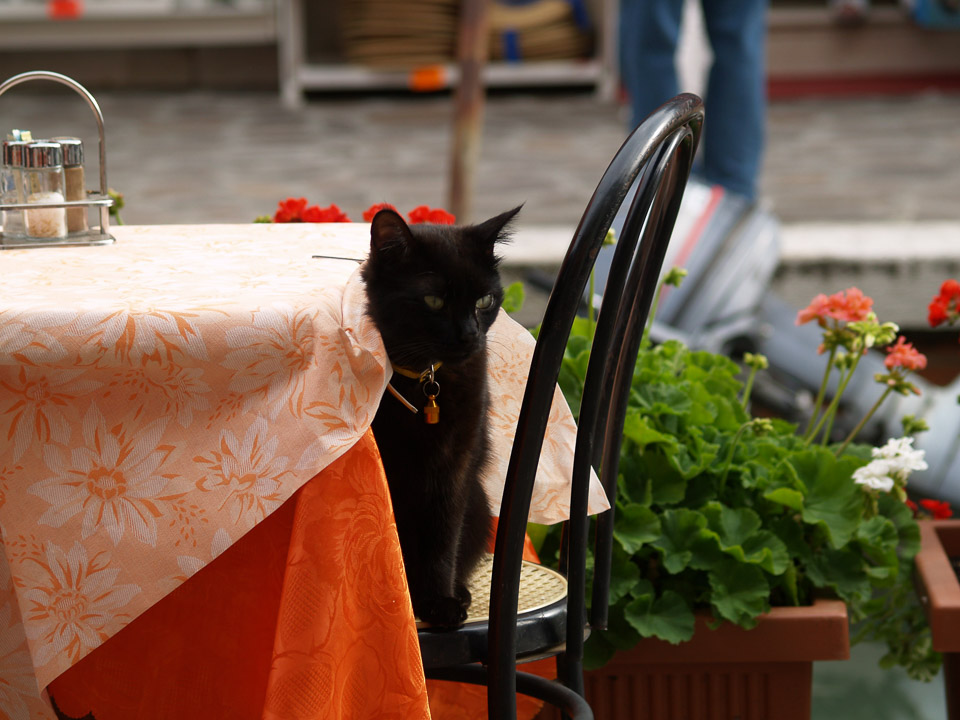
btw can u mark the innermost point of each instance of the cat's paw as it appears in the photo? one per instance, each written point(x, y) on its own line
point(444, 612)
point(461, 593)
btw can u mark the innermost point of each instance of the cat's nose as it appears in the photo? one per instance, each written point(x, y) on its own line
point(469, 330)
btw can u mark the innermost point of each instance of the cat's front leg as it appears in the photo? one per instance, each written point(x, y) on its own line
point(437, 597)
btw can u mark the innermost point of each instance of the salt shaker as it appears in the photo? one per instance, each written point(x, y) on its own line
point(43, 183)
point(11, 186)
point(73, 179)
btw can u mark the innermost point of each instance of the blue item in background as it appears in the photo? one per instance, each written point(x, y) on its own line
point(941, 14)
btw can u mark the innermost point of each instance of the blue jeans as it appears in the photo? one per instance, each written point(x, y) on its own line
point(733, 131)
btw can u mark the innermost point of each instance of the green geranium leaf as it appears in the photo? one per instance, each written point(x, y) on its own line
point(582, 328)
point(664, 399)
point(790, 530)
point(636, 525)
point(766, 550)
point(513, 296)
point(655, 480)
point(786, 496)
point(736, 532)
point(832, 500)
point(597, 651)
point(740, 593)
point(577, 345)
point(682, 534)
point(668, 617)
point(733, 525)
point(620, 633)
point(843, 571)
point(637, 428)
point(878, 538)
point(624, 574)
point(902, 518)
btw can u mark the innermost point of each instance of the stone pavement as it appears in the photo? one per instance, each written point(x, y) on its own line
point(843, 175)
point(205, 157)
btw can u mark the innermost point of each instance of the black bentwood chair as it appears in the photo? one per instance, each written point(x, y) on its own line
point(487, 651)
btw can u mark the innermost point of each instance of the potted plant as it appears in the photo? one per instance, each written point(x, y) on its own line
point(939, 557)
point(747, 540)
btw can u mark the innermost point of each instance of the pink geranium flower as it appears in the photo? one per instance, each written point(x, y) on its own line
point(902, 354)
point(850, 305)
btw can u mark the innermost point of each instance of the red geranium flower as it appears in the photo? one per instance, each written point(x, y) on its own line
point(64, 9)
point(939, 509)
point(912, 505)
point(290, 210)
point(374, 209)
point(903, 354)
point(437, 216)
point(332, 214)
point(945, 307)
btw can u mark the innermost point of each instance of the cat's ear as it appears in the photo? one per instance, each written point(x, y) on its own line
point(388, 232)
point(494, 230)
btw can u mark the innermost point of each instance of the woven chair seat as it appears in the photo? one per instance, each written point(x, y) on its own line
point(540, 587)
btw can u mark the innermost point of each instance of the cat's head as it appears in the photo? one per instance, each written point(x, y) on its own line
point(433, 290)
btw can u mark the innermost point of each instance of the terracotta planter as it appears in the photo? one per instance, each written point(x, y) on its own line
point(939, 592)
point(723, 674)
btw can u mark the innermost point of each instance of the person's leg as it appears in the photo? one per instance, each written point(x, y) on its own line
point(648, 41)
point(733, 132)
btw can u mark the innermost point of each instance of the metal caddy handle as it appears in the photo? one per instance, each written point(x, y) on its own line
point(101, 200)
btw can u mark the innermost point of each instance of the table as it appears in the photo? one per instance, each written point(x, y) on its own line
point(197, 392)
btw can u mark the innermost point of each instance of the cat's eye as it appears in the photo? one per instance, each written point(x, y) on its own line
point(433, 302)
point(485, 302)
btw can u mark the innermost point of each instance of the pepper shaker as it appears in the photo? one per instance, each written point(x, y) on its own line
point(73, 180)
point(43, 183)
point(11, 186)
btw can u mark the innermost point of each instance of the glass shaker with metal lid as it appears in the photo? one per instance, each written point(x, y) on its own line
point(73, 180)
point(43, 183)
point(11, 186)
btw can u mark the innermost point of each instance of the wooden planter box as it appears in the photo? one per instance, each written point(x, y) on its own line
point(723, 674)
point(939, 592)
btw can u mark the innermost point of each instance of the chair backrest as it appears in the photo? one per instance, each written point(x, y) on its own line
point(662, 148)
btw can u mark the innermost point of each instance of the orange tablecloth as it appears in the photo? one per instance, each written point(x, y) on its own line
point(161, 397)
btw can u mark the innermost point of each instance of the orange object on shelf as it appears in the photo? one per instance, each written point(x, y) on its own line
point(428, 79)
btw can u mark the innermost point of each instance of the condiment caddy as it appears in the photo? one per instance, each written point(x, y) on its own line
point(43, 199)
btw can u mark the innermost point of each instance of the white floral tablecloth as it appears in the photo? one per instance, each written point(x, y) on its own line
point(161, 396)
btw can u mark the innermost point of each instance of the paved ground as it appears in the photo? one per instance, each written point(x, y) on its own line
point(198, 158)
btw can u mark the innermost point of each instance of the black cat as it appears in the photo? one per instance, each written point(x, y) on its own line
point(433, 291)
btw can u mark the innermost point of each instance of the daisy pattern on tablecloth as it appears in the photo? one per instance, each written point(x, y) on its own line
point(183, 393)
point(132, 335)
point(24, 336)
point(36, 404)
point(271, 358)
point(247, 474)
point(71, 603)
point(112, 479)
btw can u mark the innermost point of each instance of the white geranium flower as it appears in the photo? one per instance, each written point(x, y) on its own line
point(901, 455)
point(876, 475)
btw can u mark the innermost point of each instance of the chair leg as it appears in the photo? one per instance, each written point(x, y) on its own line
point(570, 674)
